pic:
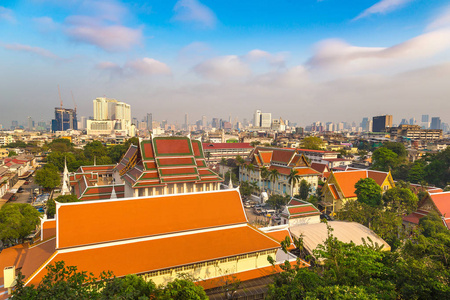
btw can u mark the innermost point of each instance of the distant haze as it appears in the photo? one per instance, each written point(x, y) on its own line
point(302, 61)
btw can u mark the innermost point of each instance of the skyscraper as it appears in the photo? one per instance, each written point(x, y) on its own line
point(30, 123)
point(149, 122)
point(65, 118)
point(435, 123)
point(110, 117)
point(257, 119)
point(186, 122)
point(380, 123)
point(204, 122)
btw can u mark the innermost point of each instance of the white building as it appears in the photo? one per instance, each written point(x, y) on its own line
point(111, 117)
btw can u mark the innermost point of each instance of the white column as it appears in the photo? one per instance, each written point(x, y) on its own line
point(175, 188)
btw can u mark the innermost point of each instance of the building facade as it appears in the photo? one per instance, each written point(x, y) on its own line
point(381, 123)
point(65, 119)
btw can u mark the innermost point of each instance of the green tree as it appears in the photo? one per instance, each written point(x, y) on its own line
point(12, 153)
point(57, 159)
point(48, 177)
point(51, 206)
point(400, 200)
point(312, 142)
point(384, 159)
point(293, 179)
point(417, 172)
point(277, 201)
point(273, 176)
point(61, 145)
point(17, 221)
point(397, 148)
point(94, 149)
point(181, 289)
point(223, 163)
point(368, 192)
point(304, 189)
point(130, 287)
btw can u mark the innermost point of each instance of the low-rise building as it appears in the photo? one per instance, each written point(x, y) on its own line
point(282, 160)
point(214, 152)
point(340, 187)
point(434, 202)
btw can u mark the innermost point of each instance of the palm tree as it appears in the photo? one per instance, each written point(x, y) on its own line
point(273, 176)
point(263, 174)
point(253, 186)
point(293, 179)
point(223, 163)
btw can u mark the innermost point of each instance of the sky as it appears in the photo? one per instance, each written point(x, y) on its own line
point(301, 60)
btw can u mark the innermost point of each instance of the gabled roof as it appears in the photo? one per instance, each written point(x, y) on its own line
point(140, 235)
point(346, 180)
point(85, 223)
point(321, 168)
point(161, 160)
point(297, 208)
point(279, 233)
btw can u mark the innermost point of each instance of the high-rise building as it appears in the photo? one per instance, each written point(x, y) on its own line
point(83, 123)
point(14, 124)
point(65, 118)
point(110, 117)
point(381, 123)
point(30, 122)
point(435, 123)
point(412, 121)
point(425, 118)
point(365, 124)
point(215, 123)
point(186, 122)
point(257, 119)
point(204, 122)
point(149, 122)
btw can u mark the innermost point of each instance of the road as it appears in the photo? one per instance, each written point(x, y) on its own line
point(27, 191)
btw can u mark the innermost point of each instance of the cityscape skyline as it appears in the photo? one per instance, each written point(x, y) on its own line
point(351, 60)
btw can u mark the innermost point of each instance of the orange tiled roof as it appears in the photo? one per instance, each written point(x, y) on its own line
point(334, 191)
point(12, 256)
point(282, 155)
point(146, 216)
point(280, 236)
point(266, 157)
point(36, 256)
point(157, 254)
point(348, 179)
point(48, 229)
point(442, 203)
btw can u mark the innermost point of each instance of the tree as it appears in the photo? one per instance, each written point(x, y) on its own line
point(12, 153)
point(130, 287)
point(61, 145)
point(397, 148)
point(277, 201)
point(304, 189)
point(384, 159)
point(368, 192)
point(181, 289)
point(57, 159)
point(264, 174)
point(17, 221)
point(51, 205)
point(400, 200)
point(48, 177)
point(312, 142)
point(273, 176)
point(293, 179)
point(223, 163)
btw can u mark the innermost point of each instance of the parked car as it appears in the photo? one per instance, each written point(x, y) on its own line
point(257, 210)
point(326, 217)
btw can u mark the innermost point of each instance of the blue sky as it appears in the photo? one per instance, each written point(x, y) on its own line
point(304, 60)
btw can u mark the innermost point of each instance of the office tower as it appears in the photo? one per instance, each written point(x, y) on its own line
point(380, 123)
point(30, 123)
point(83, 123)
point(412, 121)
point(149, 122)
point(257, 119)
point(425, 118)
point(215, 123)
point(365, 124)
point(435, 123)
point(14, 124)
point(186, 122)
point(204, 121)
point(65, 118)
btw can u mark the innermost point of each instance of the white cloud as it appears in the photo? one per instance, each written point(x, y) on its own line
point(339, 56)
point(108, 37)
point(256, 55)
point(222, 68)
point(100, 23)
point(34, 50)
point(145, 67)
point(7, 14)
point(194, 12)
point(381, 7)
point(45, 24)
point(442, 21)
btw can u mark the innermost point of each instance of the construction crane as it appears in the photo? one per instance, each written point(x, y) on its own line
point(73, 99)
point(60, 99)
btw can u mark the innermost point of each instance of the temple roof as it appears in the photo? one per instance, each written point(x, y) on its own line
point(162, 160)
